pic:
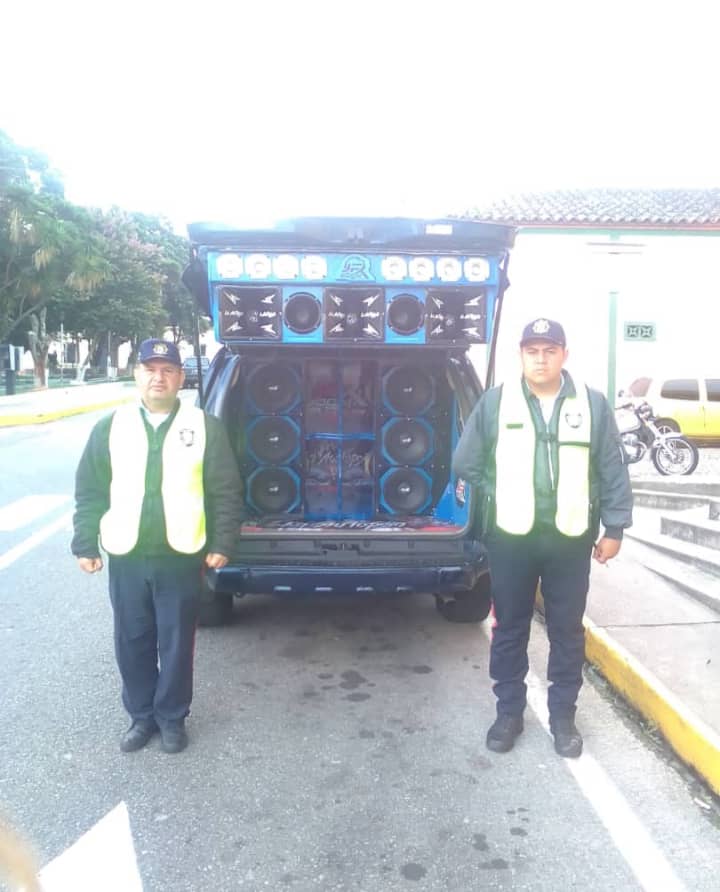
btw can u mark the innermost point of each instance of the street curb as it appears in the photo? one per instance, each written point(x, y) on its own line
point(43, 417)
point(693, 741)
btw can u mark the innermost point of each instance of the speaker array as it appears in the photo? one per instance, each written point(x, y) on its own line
point(347, 439)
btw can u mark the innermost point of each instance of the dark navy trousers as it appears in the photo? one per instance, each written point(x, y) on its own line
point(155, 607)
point(562, 566)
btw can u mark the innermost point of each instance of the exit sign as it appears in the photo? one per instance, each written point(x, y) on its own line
point(639, 331)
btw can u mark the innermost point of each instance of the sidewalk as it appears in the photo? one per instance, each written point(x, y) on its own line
point(40, 406)
point(657, 646)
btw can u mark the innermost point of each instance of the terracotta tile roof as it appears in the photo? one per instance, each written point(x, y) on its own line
point(607, 209)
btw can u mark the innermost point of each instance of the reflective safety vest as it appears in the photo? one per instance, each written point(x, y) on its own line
point(182, 481)
point(515, 463)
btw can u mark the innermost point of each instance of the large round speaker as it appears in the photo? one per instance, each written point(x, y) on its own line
point(273, 490)
point(302, 313)
point(406, 314)
point(405, 490)
point(273, 439)
point(407, 441)
point(408, 390)
point(274, 387)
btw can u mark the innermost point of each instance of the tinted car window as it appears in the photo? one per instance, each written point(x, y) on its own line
point(681, 389)
point(713, 389)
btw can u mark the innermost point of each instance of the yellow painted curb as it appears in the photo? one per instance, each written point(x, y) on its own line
point(692, 739)
point(43, 417)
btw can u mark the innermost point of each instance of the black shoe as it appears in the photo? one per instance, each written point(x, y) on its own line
point(502, 733)
point(568, 740)
point(138, 735)
point(173, 738)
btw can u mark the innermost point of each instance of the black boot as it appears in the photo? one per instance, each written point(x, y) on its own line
point(173, 737)
point(502, 733)
point(138, 735)
point(568, 740)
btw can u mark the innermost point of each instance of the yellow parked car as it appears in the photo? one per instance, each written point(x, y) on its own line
point(690, 405)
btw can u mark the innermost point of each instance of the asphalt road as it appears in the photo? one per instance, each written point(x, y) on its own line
point(334, 746)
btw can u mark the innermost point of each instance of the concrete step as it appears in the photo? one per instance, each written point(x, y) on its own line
point(688, 484)
point(646, 529)
point(673, 501)
point(692, 525)
point(693, 581)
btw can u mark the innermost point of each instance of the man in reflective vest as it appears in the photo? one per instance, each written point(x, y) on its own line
point(545, 457)
point(159, 487)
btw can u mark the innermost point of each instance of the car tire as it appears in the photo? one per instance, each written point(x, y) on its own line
point(215, 608)
point(467, 607)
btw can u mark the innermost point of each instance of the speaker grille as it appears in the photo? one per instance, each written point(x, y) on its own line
point(247, 312)
point(354, 314)
point(406, 490)
point(408, 390)
point(407, 441)
point(274, 387)
point(273, 490)
point(273, 439)
point(406, 314)
point(456, 314)
point(302, 313)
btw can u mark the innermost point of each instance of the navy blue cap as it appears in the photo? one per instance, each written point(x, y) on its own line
point(543, 330)
point(154, 348)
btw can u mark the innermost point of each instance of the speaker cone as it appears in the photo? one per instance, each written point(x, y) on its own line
point(405, 490)
point(407, 441)
point(302, 313)
point(273, 490)
point(406, 314)
point(274, 387)
point(273, 440)
point(409, 390)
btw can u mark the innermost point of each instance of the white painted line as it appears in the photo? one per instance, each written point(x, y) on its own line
point(62, 523)
point(102, 859)
point(644, 858)
point(24, 511)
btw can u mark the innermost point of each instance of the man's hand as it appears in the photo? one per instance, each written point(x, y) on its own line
point(90, 565)
point(606, 549)
point(215, 561)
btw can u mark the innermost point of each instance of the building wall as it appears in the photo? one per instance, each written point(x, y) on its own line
point(671, 280)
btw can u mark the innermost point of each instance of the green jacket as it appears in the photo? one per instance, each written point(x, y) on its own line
point(610, 493)
point(221, 484)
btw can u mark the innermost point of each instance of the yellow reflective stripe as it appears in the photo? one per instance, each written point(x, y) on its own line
point(572, 516)
point(120, 525)
point(515, 463)
point(183, 454)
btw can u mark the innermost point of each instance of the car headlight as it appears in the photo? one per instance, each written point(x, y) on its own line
point(229, 266)
point(422, 269)
point(258, 266)
point(394, 269)
point(477, 269)
point(449, 269)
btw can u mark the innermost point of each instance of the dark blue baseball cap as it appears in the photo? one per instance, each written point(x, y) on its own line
point(154, 348)
point(543, 330)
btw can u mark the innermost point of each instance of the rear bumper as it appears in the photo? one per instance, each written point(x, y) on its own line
point(307, 580)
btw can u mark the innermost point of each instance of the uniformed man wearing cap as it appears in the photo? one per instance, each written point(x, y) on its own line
point(544, 454)
point(159, 487)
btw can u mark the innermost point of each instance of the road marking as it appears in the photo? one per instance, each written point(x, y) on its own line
point(62, 523)
point(103, 858)
point(644, 858)
point(24, 511)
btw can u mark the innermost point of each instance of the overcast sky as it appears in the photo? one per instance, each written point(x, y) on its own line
point(245, 112)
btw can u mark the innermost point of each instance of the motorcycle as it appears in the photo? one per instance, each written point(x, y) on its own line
point(671, 453)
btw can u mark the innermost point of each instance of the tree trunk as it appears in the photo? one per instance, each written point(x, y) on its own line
point(39, 344)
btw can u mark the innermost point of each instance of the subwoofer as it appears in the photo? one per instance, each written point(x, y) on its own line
point(406, 314)
point(273, 387)
point(302, 312)
point(405, 490)
point(273, 439)
point(407, 441)
point(273, 490)
point(408, 390)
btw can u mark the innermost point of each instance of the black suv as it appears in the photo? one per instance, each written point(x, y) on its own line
point(344, 381)
point(190, 367)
